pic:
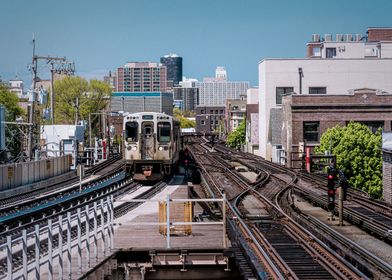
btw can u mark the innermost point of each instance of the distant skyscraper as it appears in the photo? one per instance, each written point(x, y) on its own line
point(188, 95)
point(110, 80)
point(141, 77)
point(220, 73)
point(173, 63)
point(215, 91)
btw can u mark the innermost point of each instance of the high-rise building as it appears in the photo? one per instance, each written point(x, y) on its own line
point(141, 77)
point(220, 73)
point(173, 63)
point(215, 91)
point(188, 97)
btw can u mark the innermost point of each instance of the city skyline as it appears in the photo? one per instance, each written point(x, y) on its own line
point(100, 37)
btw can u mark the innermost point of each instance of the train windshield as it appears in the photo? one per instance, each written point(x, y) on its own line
point(164, 132)
point(131, 131)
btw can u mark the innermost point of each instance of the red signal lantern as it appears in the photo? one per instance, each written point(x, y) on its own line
point(331, 188)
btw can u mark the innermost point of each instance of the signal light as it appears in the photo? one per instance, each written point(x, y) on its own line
point(331, 188)
point(331, 192)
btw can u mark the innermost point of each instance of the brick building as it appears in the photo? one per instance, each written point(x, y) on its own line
point(377, 34)
point(210, 119)
point(235, 113)
point(306, 117)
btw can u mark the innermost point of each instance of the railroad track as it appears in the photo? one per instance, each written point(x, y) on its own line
point(58, 189)
point(371, 215)
point(369, 264)
point(279, 265)
point(48, 207)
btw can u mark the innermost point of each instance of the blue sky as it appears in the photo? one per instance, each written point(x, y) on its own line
point(102, 35)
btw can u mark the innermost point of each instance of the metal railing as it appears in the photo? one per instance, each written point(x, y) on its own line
point(46, 242)
point(168, 222)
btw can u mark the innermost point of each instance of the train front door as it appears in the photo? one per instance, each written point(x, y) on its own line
point(148, 143)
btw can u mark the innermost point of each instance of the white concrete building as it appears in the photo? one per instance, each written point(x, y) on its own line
point(336, 67)
point(252, 95)
point(252, 121)
point(214, 91)
point(16, 86)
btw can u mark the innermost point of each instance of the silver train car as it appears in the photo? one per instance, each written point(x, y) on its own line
point(151, 145)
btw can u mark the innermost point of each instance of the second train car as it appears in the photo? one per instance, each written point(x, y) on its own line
point(151, 145)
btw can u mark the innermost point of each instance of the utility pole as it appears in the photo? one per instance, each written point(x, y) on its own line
point(52, 92)
point(69, 69)
point(31, 106)
point(89, 130)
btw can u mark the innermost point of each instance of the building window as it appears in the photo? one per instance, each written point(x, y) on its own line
point(202, 112)
point(330, 52)
point(202, 122)
point(311, 131)
point(316, 51)
point(317, 90)
point(280, 91)
point(221, 111)
point(372, 125)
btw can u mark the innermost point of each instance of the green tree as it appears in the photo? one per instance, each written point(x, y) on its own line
point(236, 139)
point(10, 101)
point(76, 98)
point(358, 153)
point(184, 122)
point(13, 135)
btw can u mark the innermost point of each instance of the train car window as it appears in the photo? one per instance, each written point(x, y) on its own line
point(164, 131)
point(147, 130)
point(131, 131)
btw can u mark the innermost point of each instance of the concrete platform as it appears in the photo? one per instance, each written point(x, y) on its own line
point(130, 236)
point(363, 239)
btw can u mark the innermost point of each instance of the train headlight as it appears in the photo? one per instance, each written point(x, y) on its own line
point(134, 148)
point(129, 148)
point(160, 148)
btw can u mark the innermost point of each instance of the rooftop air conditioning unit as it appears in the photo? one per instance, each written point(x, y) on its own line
point(328, 37)
point(339, 37)
point(315, 38)
point(349, 37)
